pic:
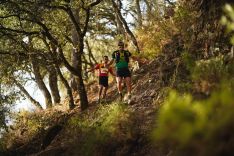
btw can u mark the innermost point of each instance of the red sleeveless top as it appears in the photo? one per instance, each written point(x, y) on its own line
point(103, 71)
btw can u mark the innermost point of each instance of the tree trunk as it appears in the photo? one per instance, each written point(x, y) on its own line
point(73, 83)
point(68, 88)
point(78, 44)
point(148, 10)
point(78, 74)
point(91, 57)
point(53, 83)
point(81, 86)
point(78, 47)
point(64, 81)
point(85, 67)
point(28, 96)
point(40, 83)
point(125, 25)
point(120, 28)
point(139, 14)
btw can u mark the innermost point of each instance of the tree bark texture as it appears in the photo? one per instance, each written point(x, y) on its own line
point(63, 79)
point(139, 14)
point(68, 88)
point(53, 83)
point(28, 96)
point(40, 83)
point(125, 25)
point(78, 47)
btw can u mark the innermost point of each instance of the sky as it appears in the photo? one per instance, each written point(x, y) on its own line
point(26, 104)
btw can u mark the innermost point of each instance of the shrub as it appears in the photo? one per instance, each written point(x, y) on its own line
point(198, 127)
point(228, 19)
point(212, 70)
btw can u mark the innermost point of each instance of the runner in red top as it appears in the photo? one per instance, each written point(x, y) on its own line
point(104, 70)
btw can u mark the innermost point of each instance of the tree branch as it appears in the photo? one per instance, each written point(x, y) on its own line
point(94, 3)
point(169, 2)
point(18, 31)
point(26, 93)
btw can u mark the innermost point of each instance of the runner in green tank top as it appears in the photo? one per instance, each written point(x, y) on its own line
point(121, 58)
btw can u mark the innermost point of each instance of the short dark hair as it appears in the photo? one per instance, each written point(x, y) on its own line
point(105, 56)
point(120, 43)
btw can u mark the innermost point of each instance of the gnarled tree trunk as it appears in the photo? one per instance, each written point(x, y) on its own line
point(139, 14)
point(40, 82)
point(124, 23)
point(28, 96)
point(53, 83)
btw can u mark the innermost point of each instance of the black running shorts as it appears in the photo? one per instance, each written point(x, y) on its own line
point(123, 72)
point(103, 80)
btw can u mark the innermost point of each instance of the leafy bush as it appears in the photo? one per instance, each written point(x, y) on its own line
point(228, 20)
point(154, 34)
point(198, 127)
point(201, 127)
point(188, 60)
point(27, 125)
point(151, 39)
point(212, 70)
point(207, 75)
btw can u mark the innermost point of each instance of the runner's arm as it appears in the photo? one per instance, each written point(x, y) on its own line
point(89, 70)
point(111, 62)
point(92, 69)
point(134, 58)
point(111, 71)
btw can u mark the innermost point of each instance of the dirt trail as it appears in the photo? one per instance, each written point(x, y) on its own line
point(147, 98)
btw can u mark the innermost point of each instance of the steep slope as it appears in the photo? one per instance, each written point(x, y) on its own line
point(132, 133)
point(148, 83)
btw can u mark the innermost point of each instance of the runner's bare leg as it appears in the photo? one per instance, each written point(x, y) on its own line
point(100, 93)
point(128, 84)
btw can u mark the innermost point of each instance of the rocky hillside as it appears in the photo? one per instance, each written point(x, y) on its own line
point(132, 133)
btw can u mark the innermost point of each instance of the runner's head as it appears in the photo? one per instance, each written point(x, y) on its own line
point(121, 45)
point(105, 58)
